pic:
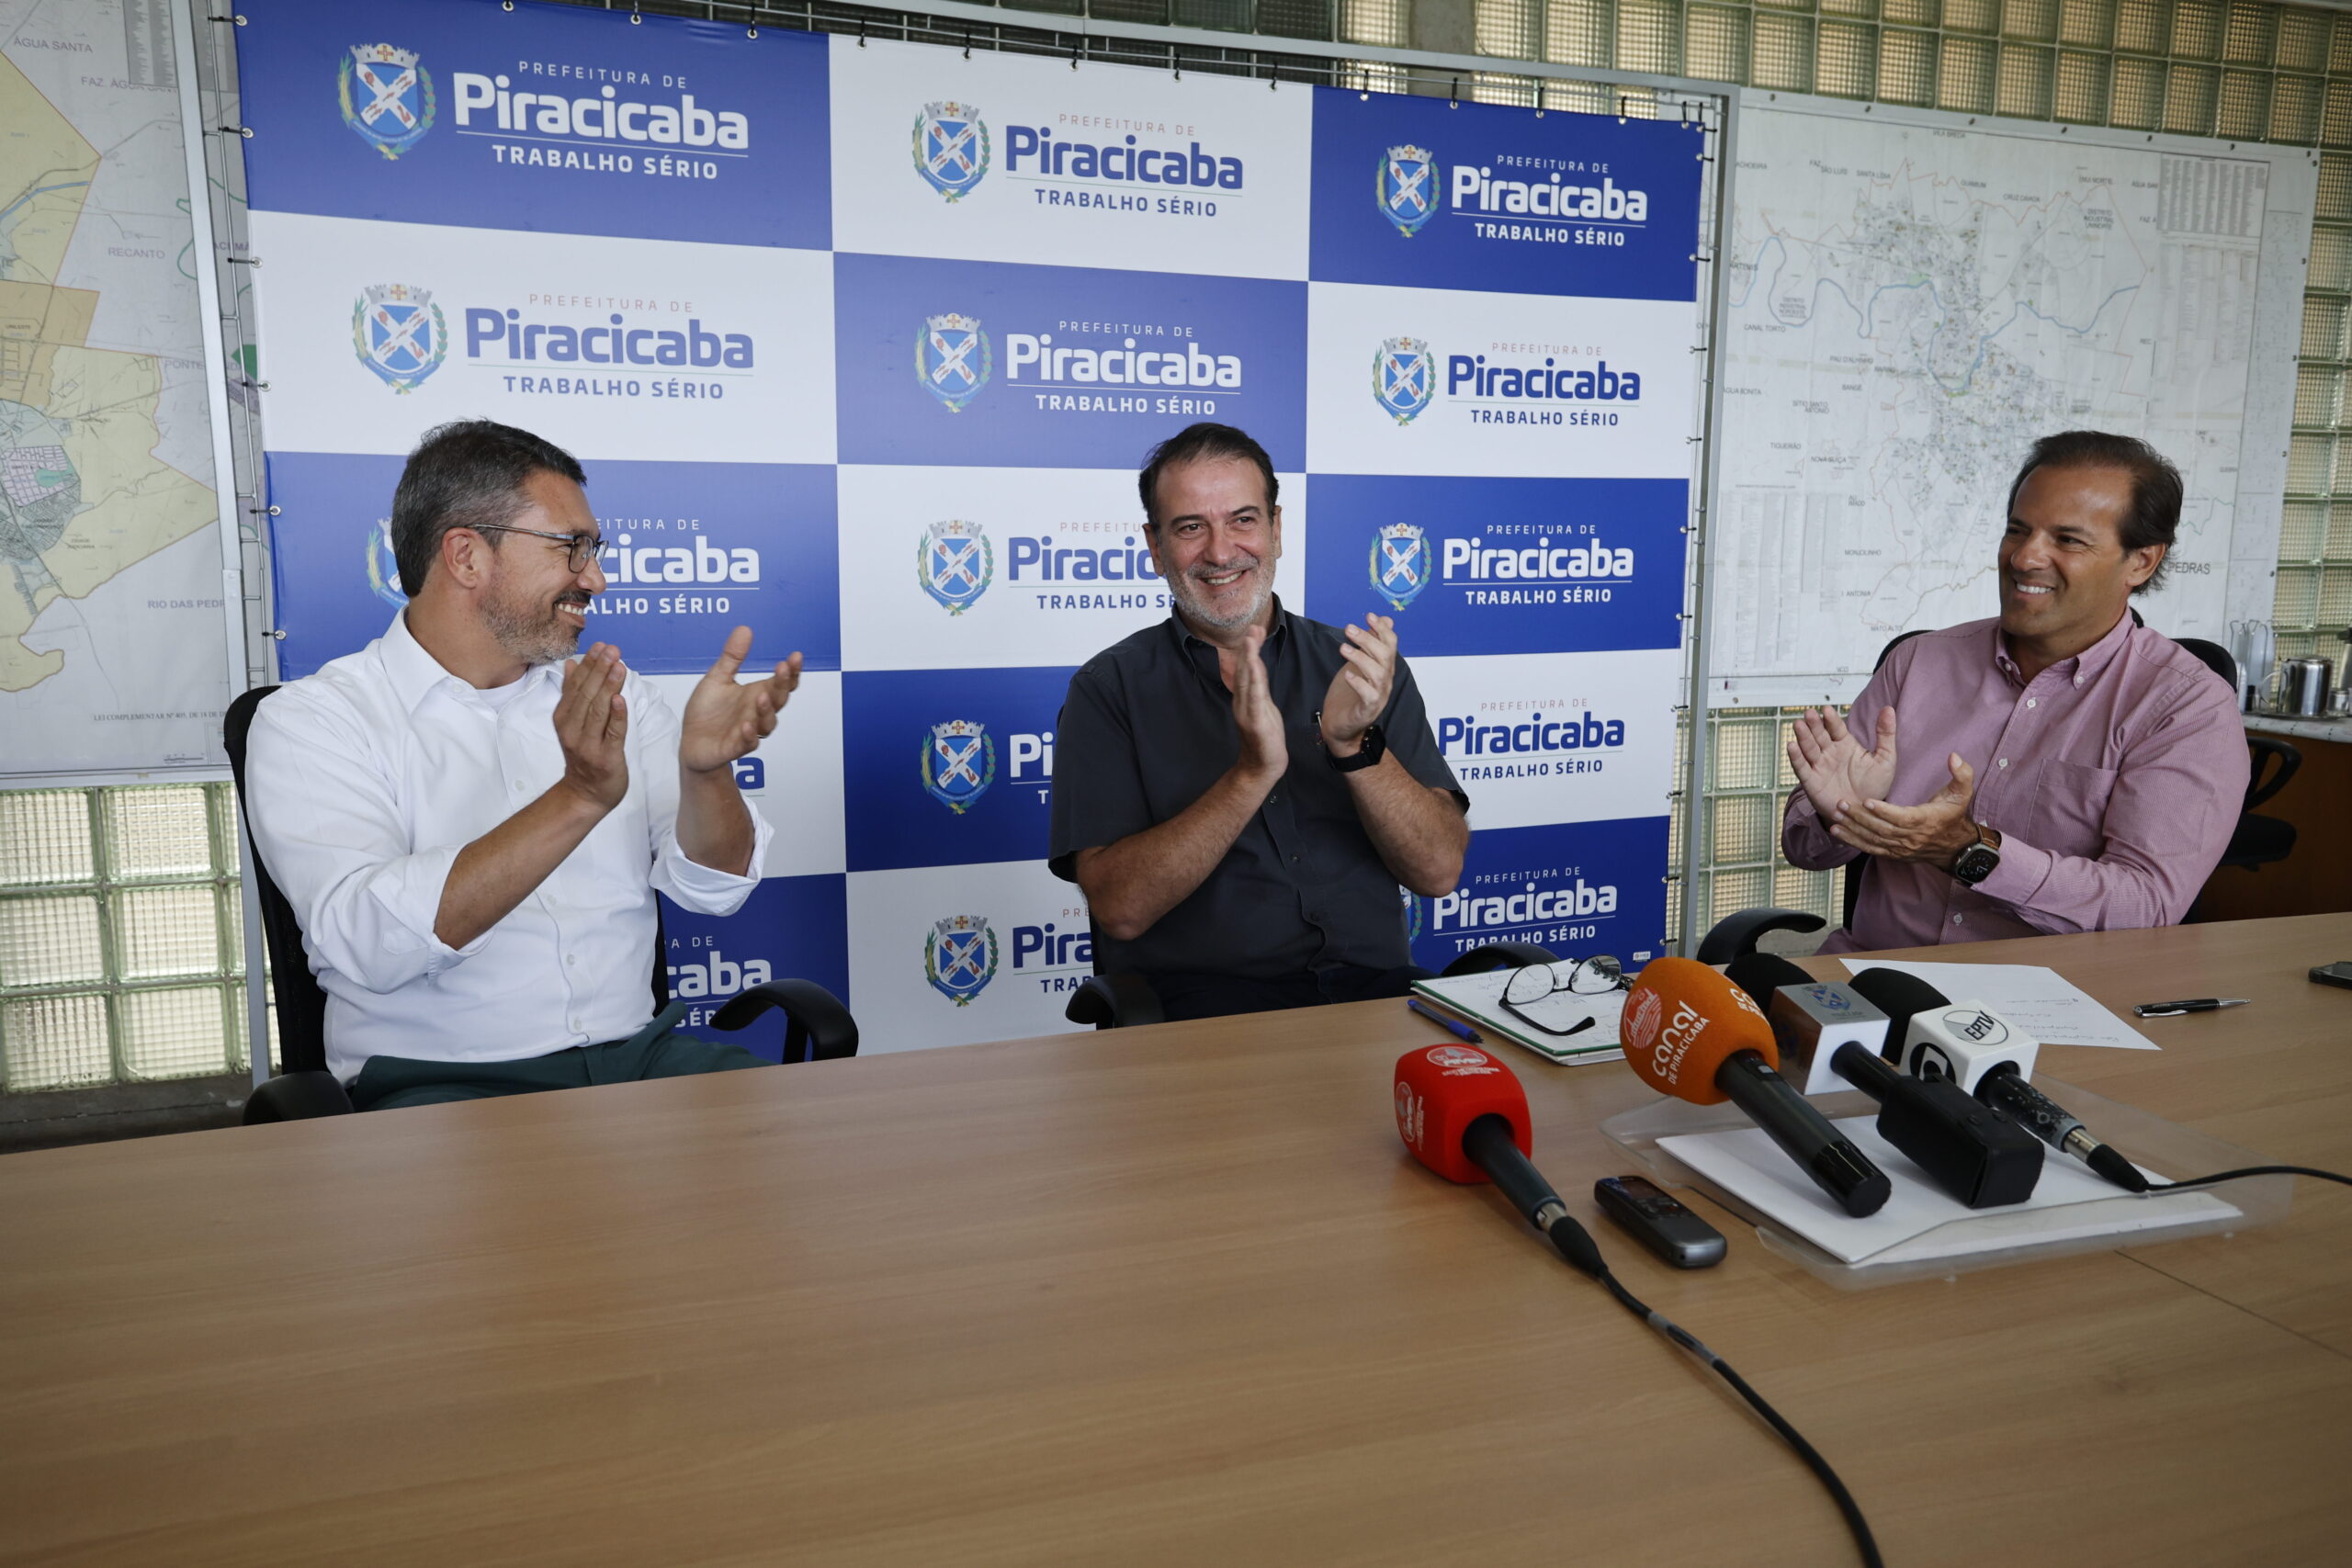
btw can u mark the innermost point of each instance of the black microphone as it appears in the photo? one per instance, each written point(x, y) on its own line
point(1999, 1083)
point(1487, 1142)
point(2006, 1088)
point(1978, 1155)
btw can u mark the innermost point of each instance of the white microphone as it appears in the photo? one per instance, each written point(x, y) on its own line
point(1938, 1038)
point(1810, 1019)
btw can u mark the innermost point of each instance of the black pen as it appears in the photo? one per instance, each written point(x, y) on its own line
point(2203, 1004)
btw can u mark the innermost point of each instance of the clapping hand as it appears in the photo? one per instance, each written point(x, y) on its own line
point(724, 720)
point(1359, 692)
point(592, 725)
point(1265, 752)
point(1836, 772)
point(1933, 831)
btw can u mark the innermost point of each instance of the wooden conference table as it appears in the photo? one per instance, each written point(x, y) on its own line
point(1172, 1296)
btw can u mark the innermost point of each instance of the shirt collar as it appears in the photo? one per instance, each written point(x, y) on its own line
point(2084, 666)
point(1186, 638)
point(415, 674)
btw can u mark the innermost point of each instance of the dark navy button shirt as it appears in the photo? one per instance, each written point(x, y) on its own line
point(1148, 727)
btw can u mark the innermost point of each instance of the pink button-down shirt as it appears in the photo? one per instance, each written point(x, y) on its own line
point(2115, 779)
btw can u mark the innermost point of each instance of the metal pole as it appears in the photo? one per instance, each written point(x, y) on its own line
point(1694, 787)
point(216, 365)
point(192, 15)
point(1264, 43)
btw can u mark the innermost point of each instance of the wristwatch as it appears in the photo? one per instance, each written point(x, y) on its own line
point(1374, 746)
point(1978, 861)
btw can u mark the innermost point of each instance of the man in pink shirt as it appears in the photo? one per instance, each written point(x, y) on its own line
point(2074, 770)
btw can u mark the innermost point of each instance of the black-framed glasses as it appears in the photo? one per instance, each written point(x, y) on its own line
point(582, 547)
point(1595, 977)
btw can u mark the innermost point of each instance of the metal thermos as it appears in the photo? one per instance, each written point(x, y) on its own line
point(2304, 686)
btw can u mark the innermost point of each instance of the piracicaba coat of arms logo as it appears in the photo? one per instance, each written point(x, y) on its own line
point(950, 148)
point(953, 359)
point(957, 762)
point(399, 333)
point(1406, 186)
point(387, 98)
point(1400, 563)
point(1404, 377)
point(955, 563)
point(959, 957)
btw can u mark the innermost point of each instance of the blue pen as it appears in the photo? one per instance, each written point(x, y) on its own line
point(1455, 1027)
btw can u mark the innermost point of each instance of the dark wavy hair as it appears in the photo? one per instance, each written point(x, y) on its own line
point(1191, 443)
point(2154, 516)
point(466, 474)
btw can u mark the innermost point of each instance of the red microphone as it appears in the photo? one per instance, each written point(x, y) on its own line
point(1692, 1033)
point(1464, 1114)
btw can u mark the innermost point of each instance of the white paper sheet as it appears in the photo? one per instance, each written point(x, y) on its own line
point(2043, 1002)
point(2067, 1202)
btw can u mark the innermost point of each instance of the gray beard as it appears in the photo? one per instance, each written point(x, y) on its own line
point(1181, 587)
point(535, 640)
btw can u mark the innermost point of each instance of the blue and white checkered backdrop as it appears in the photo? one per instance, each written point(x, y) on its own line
point(862, 344)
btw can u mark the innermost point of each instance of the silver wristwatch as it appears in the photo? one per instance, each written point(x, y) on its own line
point(1977, 861)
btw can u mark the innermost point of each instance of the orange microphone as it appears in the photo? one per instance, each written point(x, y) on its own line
point(1692, 1033)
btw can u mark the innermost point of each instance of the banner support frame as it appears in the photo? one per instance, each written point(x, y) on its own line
point(230, 497)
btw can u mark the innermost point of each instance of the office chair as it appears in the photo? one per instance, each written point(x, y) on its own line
point(1127, 1001)
point(816, 1027)
point(2257, 841)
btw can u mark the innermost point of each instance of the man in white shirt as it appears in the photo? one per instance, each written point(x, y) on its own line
point(472, 825)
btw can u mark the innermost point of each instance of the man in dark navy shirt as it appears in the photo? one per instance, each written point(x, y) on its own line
point(1240, 791)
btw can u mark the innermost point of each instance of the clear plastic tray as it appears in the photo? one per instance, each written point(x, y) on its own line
point(2170, 1150)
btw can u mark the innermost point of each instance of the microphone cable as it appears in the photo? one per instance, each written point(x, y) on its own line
point(1575, 1245)
point(2249, 1170)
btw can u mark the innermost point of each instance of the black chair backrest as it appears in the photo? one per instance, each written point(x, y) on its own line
point(302, 1005)
point(2214, 657)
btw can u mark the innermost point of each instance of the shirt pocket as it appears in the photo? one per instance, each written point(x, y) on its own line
point(2070, 810)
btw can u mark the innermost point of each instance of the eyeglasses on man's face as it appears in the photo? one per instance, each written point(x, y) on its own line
point(581, 548)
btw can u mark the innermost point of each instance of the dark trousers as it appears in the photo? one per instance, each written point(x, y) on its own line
point(389, 1082)
point(1221, 996)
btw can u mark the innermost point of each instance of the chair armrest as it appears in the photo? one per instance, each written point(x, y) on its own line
point(296, 1097)
point(1737, 933)
point(2265, 748)
point(1114, 1001)
point(1500, 955)
point(814, 1019)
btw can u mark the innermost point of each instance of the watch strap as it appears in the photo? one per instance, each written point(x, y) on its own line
point(1374, 746)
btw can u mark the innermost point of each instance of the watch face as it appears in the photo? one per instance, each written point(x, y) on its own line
point(1975, 863)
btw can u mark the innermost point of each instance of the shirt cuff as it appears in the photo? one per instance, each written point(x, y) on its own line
point(409, 889)
point(1805, 839)
point(708, 891)
point(2019, 876)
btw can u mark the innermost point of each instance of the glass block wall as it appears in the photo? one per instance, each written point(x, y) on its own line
point(121, 937)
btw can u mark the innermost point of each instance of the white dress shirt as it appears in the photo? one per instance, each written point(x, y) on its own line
point(363, 782)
